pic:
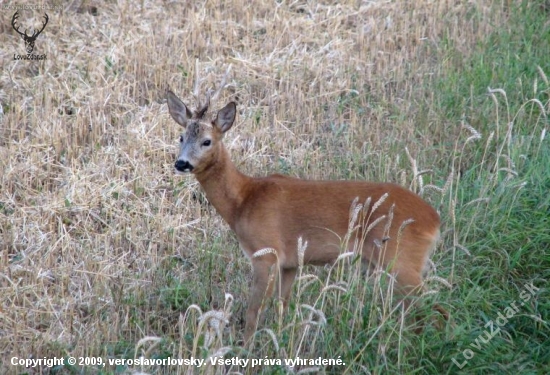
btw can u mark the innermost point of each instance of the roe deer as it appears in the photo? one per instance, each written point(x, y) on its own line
point(274, 211)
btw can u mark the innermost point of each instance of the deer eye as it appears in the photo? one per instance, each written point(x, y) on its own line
point(181, 138)
point(207, 143)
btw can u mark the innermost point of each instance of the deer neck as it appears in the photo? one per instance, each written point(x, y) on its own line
point(224, 186)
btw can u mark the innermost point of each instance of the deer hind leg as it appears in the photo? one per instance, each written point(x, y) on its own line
point(409, 287)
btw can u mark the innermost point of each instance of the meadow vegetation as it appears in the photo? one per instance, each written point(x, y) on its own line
point(105, 252)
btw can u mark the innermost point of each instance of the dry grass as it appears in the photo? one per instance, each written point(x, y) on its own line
point(93, 220)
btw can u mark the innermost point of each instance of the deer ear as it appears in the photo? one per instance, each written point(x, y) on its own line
point(225, 117)
point(179, 112)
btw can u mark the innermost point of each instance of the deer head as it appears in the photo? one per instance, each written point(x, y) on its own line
point(29, 39)
point(200, 144)
point(201, 141)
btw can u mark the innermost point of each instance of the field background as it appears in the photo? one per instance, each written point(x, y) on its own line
point(105, 252)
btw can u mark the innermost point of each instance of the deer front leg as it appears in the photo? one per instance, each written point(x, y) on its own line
point(262, 285)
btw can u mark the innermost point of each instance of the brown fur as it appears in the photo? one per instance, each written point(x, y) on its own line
point(274, 211)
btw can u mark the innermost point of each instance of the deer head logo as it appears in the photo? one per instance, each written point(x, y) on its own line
point(29, 39)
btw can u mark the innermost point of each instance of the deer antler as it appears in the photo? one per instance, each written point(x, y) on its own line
point(202, 107)
point(222, 84)
point(36, 33)
point(16, 28)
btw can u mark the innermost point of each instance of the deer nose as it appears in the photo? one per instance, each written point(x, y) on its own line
point(183, 166)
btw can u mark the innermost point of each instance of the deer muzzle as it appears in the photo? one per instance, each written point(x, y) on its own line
point(183, 166)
